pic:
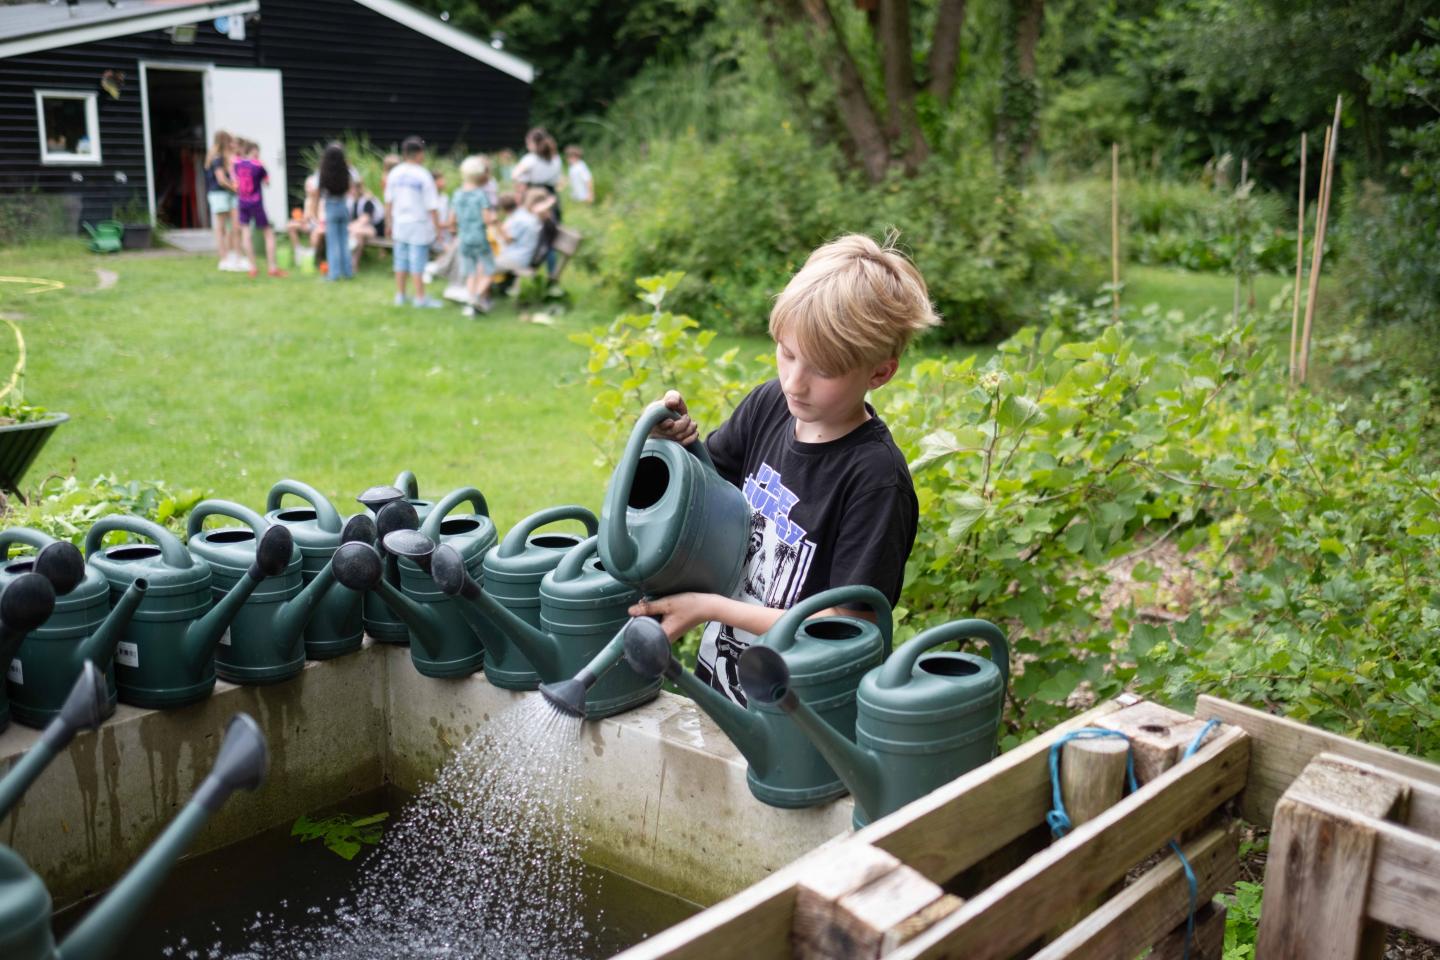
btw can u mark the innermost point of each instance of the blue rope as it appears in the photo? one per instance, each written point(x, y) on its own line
point(1059, 821)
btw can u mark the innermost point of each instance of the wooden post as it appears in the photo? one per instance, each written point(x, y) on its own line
point(1299, 261)
point(1244, 175)
point(1318, 872)
point(1327, 180)
point(1092, 780)
point(1114, 232)
point(1158, 736)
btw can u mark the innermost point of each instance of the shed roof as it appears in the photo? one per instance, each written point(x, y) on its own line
point(45, 25)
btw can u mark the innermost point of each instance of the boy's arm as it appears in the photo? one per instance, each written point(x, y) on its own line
point(682, 612)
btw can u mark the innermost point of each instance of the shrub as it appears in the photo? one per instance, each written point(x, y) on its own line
point(27, 217)
point(66, 508)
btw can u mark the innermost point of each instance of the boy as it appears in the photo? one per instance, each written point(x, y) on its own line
point(472, 216)
point(831, 498)
point(582, 184)
point(411, 205)
point(250, 177)
point(522, 229)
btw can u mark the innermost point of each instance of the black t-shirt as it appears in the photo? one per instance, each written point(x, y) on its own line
point(823, 515)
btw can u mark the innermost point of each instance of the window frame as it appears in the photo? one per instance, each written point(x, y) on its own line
point(51, 158)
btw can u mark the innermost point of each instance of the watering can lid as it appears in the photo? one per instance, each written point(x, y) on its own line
point(24, 901)
point(942, 686)
point(829, 648)
point(90, 591)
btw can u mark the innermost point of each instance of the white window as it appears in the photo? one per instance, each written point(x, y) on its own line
point(69, 127)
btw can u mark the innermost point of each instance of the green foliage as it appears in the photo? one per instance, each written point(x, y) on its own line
point(1394, 234)
point(66, 508)
point(1242, 920)
point(639, 356)
point(27, 216)
point(343, 834)
point(744, 213)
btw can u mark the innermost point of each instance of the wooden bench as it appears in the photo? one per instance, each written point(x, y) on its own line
point(567, 241)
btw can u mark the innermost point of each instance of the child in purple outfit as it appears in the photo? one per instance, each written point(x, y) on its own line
point(250, 177)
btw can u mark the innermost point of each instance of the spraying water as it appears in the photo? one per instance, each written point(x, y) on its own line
point(484, 863)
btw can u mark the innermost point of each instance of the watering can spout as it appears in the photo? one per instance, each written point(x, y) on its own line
point(647, 651)
point(84, 709)
point(272, 554)
point(100, 645)
point(539, 648)
point(765, 678)
point(241, 765)
point(360, 567)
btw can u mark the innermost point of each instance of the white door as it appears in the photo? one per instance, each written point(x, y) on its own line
point(248, 103)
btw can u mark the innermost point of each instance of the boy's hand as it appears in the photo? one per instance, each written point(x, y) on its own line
point(677, 612)
point(682, 429)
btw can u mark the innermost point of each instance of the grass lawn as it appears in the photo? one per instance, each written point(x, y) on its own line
point(215, 381)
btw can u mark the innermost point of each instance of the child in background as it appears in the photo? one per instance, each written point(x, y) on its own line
point(250, 179)
point(391, 161)
point(582, 184)
point(220, 194)
point(334, 188)
point(831, 497)
point(411, 205)
point(443, 212)
point(473, 214)
point(520, 234)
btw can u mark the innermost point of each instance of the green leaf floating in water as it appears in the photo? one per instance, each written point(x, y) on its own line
point(344, 834)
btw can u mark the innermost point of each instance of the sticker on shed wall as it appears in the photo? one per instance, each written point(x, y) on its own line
point(16, 673)
point(127, 654)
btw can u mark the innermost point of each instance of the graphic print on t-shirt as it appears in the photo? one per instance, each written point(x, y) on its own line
point(777, 561)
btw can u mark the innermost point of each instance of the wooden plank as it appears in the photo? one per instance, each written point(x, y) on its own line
point(1158, 736)
point(1405, 882)
point(1142, 913)
point(879, 916)
point(847, 867)
point(1321, 850)
point(1016, 909)
point(1207, 941)
point(1281, 748)
point(959, 824)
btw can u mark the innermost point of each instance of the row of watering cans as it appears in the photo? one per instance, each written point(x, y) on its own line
point(547, 610)
point(25, 904)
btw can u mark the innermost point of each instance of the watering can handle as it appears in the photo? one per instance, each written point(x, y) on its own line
point(172, 551)
point(451, 500)
point(617, 536)
point(782, 636)
point(22, 535)
point(514, 542)
point(224, 508)
point(406, 483)
point(326, 516)
point(574, 560)
point(898, 668)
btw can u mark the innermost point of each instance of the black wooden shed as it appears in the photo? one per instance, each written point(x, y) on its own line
point(115, 101)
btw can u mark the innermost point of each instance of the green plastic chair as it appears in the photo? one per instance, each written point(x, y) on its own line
point(105, 236)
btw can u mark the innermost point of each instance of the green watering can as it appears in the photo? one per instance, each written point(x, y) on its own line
point(166, 657)
point(471, 535)
point(25, 905)
point(827, 656)
point(82, 626)
point(265, 642)
point(27, 602)
point(336, 627)
point(381, 622)
point(923, 720)
point(670, 522)
point(445, 645)
point(512, 575)
point(584, 613)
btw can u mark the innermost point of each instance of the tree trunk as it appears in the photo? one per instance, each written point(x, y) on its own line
point(945, 50)
point(903, 125)
point(1019, 98)
point(1027, 38)
point(856, 111)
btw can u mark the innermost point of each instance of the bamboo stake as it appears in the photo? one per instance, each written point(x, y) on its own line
point(1244, 174)
point(1115, 232)
point(1332, 143)
point(1299, 260)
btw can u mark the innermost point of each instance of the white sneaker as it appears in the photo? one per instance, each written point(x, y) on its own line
point(469, 311)
point(399, 299)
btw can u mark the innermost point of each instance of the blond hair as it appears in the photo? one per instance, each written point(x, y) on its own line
point(474, 170)
point(855, 303)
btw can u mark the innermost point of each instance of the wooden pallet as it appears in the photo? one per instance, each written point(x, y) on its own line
point(971, 871)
